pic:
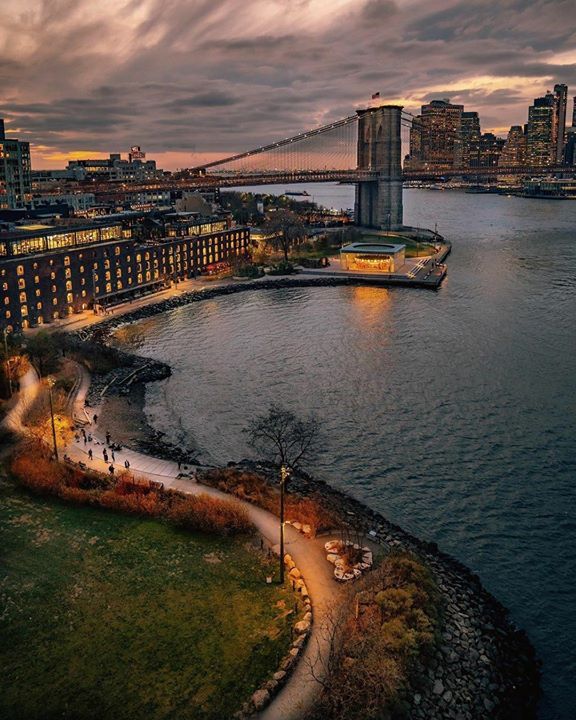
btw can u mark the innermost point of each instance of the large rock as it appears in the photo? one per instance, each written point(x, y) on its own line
point(260, 699)
point(295, 573)
point(302, 627)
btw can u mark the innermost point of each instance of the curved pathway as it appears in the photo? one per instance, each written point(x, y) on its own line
point(303, 687)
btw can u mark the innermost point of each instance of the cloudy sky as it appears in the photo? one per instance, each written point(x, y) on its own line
point(190, 79)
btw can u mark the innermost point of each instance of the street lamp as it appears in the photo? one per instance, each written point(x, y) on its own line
point(284, 475)
point(50, 381)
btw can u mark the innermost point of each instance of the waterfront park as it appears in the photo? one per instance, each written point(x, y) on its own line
point(142, 582)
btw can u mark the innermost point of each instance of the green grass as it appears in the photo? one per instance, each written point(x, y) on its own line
point(108, 616)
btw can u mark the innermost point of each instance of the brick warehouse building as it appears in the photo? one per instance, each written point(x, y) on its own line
point(51, 273)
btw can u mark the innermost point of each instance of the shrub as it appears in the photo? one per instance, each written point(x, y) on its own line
point(34, 469)
point(209, 514)
point(382, 632)
point(257, 490)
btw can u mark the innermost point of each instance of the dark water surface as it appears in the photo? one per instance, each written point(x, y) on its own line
point(451, 412)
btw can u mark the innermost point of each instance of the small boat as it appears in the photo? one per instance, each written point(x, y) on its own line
point(303, 193)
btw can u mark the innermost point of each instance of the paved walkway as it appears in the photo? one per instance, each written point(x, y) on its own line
point(29, 389)
point(302, 688)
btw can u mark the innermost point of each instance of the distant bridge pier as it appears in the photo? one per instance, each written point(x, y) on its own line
point(379, 202)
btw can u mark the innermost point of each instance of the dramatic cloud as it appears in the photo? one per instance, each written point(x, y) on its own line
point(189, 79)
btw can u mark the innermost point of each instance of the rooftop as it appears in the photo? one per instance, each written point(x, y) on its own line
point(373, 248)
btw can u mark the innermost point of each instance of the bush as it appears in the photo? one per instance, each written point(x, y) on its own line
point(284, 267)
point(257, 490)
point(34, 469)
point(381, 636)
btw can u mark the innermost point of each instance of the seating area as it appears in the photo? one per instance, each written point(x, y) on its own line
point(350, 560)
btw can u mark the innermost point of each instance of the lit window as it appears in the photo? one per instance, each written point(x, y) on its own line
point(22, 297)
point(54, 301)
point(37, 279)
point(21, 283)
point(8, 314)
point(67, 260)
point(39, 306)
point(83, 293)
point(68, 285)
point(117, 250)
point(81, 268)
point(4, 286)
point(69, 297)
point(24, 311)
point(20, 270)
point(38, 293)
point(68, 273)
point(108, 287)
point(52, 276)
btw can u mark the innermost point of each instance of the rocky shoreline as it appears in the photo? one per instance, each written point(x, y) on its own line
point(484, 668)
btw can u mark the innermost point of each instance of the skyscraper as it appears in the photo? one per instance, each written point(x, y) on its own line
point(541, 137)
point(514, 150)
point(435, 136)
point(15, 172)
point(560, 103)
point(470, 139)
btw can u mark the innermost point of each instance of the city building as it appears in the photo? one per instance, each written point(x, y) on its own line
point(135, 169)
point(514, 150)
point(560, 106)
point(435, 136)
point(550, 187)
point(78, 202)
point(15, 175)
point(470, 134)
point(490, 150)
point(540, 145)
point(372, 257)
point(50, 272)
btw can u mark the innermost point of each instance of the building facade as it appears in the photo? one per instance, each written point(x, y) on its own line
point(435, 136)
point(471, 135)
point(15, 172)
point(514, 150)
point(50, 273)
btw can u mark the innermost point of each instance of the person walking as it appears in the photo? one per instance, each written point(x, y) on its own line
point(126, 463)
point(113, 456)
point(95, 418)
point(111, 469)
point(105, 455)
point(108, 438)
point(90, 454)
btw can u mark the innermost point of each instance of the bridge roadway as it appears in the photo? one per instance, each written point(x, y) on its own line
point(309, 176)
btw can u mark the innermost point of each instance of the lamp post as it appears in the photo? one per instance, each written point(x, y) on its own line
point(284, 475)
point(50, 385)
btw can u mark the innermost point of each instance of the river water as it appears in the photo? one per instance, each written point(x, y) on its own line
point(451, 412)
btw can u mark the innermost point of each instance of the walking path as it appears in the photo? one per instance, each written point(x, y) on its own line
point(302, 688)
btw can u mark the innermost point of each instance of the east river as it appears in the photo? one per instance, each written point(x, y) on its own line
point(452, 412)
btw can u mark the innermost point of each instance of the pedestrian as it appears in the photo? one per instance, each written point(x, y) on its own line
point(85, 441)
point(179, 464)
point(113, 457)
point(89, 437)
point(83, 433)
point(108, 438)
point(111, 469)
point(90, 453)
point(95, 418)
point(105, 455)
point(126, 463)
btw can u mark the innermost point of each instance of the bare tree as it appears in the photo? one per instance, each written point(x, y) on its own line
point(285, 229)
point(284, 438)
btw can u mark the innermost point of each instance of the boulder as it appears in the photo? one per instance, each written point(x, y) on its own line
point(302, 627)
point(307, 530)
point(279, 676)
point(295, 573)
point(260, 699)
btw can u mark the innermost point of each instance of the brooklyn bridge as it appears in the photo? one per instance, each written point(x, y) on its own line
point(364, 149)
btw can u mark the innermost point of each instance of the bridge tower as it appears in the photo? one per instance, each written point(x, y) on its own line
point(379, 202)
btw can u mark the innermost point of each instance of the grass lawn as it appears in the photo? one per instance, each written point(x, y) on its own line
point(108, 616)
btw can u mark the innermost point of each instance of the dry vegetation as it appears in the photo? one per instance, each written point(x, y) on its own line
point(257, 490)
point(378, 639)
point(33, 468)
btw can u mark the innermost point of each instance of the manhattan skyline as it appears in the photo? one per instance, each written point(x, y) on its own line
point(189, 81)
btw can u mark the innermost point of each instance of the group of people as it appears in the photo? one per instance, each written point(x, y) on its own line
point(110, 446)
